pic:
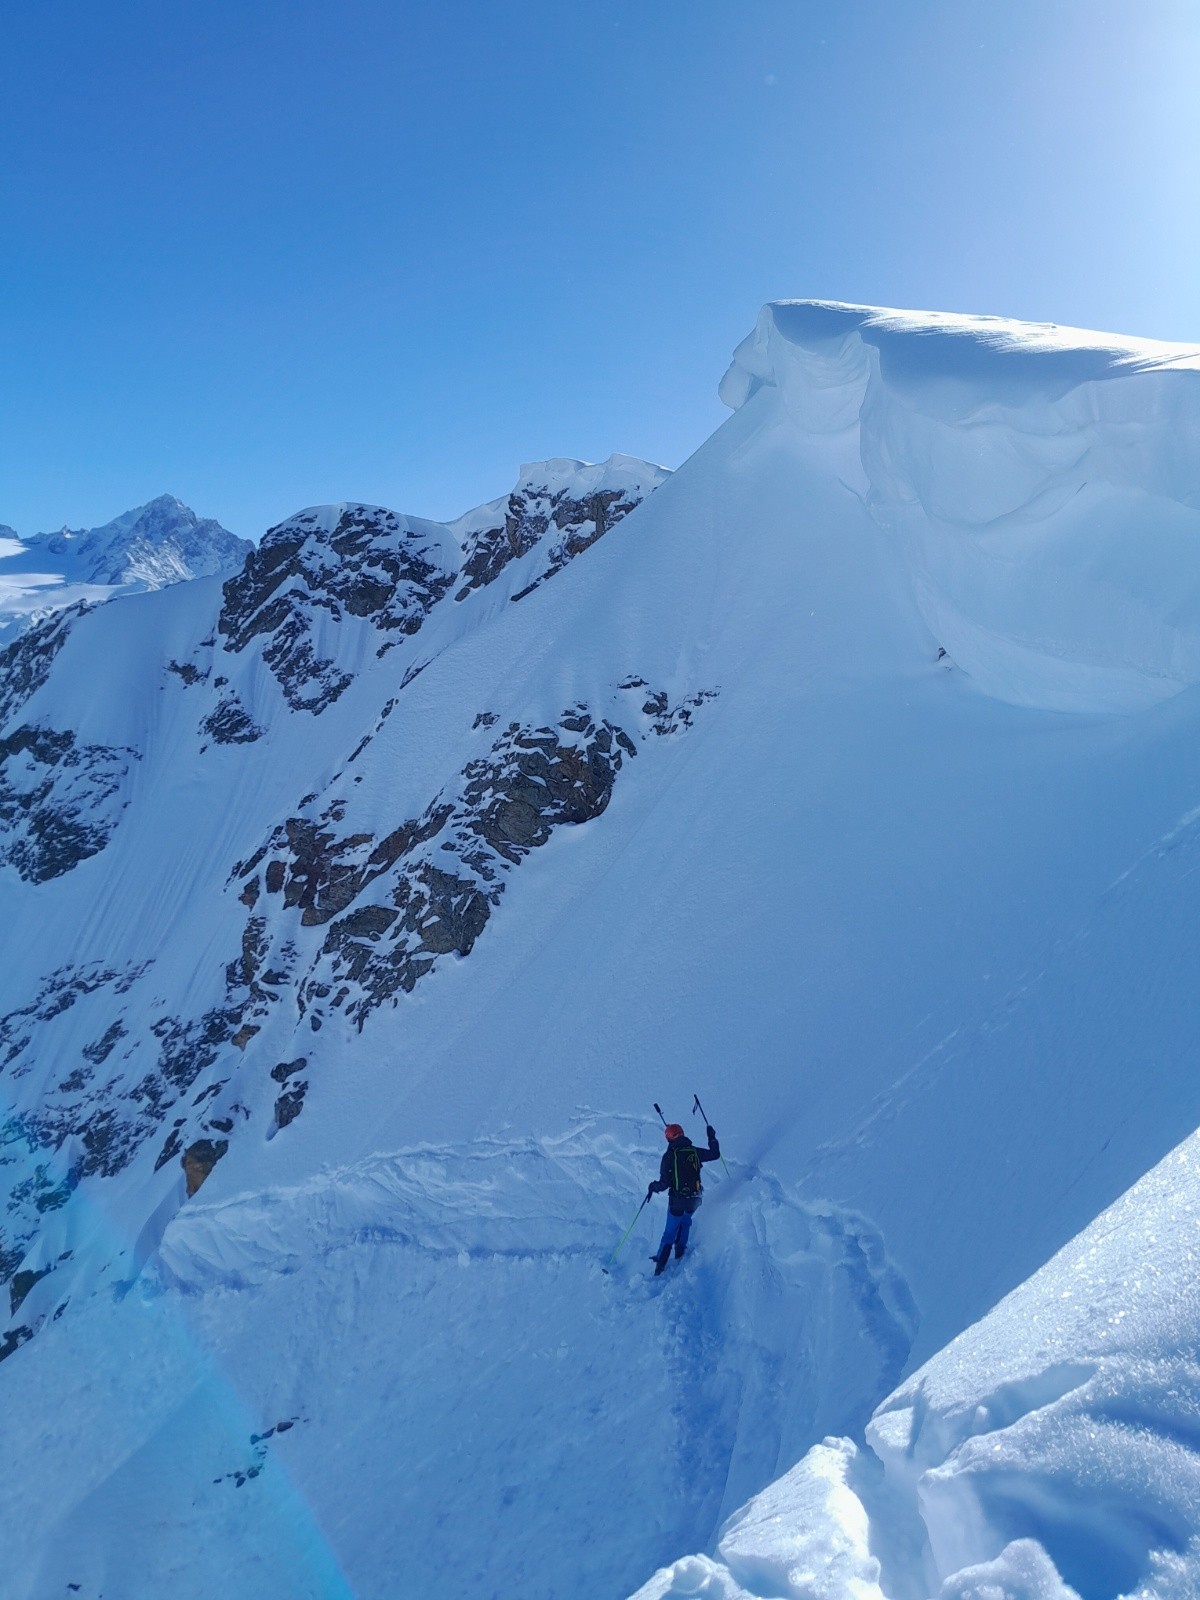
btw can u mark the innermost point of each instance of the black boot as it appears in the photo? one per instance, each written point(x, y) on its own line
point(679, 1249)
point(661, 1259)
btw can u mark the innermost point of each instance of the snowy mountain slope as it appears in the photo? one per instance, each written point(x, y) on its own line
point(1049, 1451)
point(153, 545)
point(386, 868)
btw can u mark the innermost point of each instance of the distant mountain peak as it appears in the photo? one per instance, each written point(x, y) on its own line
point(146, 547)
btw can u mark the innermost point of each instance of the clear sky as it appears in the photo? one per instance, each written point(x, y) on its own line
point(267, 253)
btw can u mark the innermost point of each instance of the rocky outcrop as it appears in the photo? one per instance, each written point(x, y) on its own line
point(564, 505)
point(199, 1159)
point(25, 664)
point(59, 800)
point(231, 723)
point(395, 905)
point(323, 566)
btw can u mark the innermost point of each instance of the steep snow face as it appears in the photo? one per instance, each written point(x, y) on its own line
point(342, 893)
point(1041, 483)
point(153, 545)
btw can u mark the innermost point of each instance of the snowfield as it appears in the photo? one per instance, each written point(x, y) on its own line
point(359, 906)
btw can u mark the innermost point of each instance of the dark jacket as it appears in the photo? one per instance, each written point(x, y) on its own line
point(669, 1170)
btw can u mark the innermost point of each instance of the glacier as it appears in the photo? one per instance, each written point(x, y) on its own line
point(359, 905)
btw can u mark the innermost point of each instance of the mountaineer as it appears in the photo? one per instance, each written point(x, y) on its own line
point(679, 1173)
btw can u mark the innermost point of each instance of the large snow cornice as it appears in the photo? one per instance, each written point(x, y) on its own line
point(932, 356)
point(1042, 483)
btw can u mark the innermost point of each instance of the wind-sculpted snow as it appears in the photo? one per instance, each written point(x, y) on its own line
point(458, 1370)
point(383, 874)
point(1043, 484)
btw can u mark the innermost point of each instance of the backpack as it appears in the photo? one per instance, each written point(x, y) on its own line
point(685, 1170)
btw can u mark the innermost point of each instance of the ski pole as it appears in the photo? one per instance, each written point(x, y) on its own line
point(659, 1109)
point(698, 1107)
point(626, 1234)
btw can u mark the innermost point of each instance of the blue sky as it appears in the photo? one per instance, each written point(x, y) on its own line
point(267, 253)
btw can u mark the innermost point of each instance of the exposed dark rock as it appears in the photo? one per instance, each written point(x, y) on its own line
point(172, 1147)
point(373, 565)
point(13, 1340)
point(575, 521)
point(254, 948)
point(21, 1284)
point(25, 664)
point(59, 992)
point(675, 719)
point(59, 800)
point(100, 1049)
point(231, 723)
point(199, 1159)
point(188, 671)
point(290, 1103)
point(436, 877)
point(11, 1257)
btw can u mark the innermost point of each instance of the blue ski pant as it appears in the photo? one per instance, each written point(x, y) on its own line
point(676, 1231)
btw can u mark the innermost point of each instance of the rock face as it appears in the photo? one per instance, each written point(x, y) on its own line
point(199, 1159)
point(562, 505)
point(435, 879)
point(25, 663)
point(307, 574)
point(59, 800)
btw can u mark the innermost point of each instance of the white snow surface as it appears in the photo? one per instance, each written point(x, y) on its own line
point(1040, 481)
point(918, 927)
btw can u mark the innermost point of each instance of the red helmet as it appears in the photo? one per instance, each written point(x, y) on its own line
point(673, 1131)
